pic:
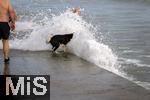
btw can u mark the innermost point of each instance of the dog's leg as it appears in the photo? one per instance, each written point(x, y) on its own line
point(65, 48)
point(52, 47)
point(56, 47)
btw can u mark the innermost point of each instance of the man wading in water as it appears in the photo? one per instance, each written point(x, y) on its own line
point(7, 22)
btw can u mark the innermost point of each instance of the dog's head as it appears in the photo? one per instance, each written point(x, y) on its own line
point(70, 35)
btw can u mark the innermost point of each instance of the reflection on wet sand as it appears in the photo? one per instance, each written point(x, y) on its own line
point(6, 69)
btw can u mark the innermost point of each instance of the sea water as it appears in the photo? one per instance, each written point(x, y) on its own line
point(112, 34)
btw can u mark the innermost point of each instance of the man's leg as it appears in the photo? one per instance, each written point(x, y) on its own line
point(6, 48)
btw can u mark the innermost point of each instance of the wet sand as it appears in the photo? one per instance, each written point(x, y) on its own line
point(72, 78)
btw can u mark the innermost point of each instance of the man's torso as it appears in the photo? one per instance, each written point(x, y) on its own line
point(4, 17)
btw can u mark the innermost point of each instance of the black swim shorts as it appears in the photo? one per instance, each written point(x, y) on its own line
point(4, 30)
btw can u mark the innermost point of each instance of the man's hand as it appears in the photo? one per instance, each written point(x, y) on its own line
point(12, 26)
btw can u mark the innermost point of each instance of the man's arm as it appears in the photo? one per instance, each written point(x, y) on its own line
point(12, 15)
point(12, 12)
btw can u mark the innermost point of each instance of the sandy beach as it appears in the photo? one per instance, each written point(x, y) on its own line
point(72, 78)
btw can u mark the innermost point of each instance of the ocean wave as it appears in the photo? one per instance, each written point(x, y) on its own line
point(31, 34)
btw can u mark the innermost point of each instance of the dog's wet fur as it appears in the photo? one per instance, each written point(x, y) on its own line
point(57, 40)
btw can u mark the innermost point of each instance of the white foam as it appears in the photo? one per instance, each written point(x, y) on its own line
point(134, 61)
point(144, 84)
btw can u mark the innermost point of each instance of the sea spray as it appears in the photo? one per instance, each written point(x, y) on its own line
point(36, 31)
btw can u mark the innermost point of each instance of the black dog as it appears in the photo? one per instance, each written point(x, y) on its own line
point(56, 40)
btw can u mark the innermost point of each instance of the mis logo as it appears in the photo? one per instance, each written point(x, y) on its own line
point(25, 87)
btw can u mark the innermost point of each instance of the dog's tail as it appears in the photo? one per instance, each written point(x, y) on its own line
point(49, 38)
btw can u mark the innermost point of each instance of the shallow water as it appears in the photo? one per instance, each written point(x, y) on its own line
point(121, 27)
point(128, 25)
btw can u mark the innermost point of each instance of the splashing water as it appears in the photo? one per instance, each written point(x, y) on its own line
point(32, 35)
